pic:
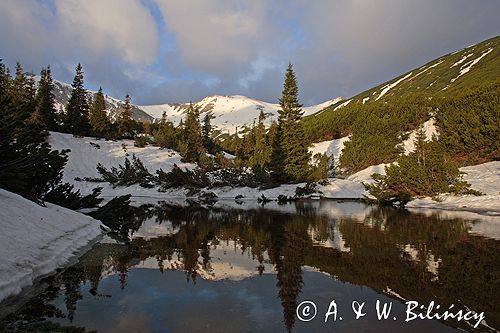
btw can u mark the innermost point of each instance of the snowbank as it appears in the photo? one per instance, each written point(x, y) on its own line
point(87, 152)
point(484, 178)
point(332, 148)
point(85, 155)
point(35, 240)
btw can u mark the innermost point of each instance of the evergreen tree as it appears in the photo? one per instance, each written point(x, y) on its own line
point(206, 132)
point(77, 110)
point(165, 135)
point(290, 151)
point(192, 133)
point(5, 78)
point(125, 121)
point(261, 153)
point(45, 100)
point(27, 165)
point(98, 118)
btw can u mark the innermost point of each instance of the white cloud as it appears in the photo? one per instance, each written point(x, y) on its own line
point(124, 27)
point(220, 36)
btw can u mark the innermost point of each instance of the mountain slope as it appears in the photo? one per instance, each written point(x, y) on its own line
point(228, 112)
point(62, 92)
point(444, 75)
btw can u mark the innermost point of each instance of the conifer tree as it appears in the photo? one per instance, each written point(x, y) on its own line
point(45, 100)
point(27, 165)
point(192, 133)
point(261, 153)
point(77, 110)
point(5, 78)
point(165, 135)
point(125, 121)
point(290, 150)
point(206, 132)
point(98, 118)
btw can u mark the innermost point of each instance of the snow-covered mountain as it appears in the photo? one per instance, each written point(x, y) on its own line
point(228, 112)
point(62, 92)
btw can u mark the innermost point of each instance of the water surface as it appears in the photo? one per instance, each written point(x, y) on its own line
point(245, 268)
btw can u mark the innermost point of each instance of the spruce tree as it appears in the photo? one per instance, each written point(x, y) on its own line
point(5, 78)
point(27, 165)
point(165, 135)
point(125, 121)
point(261, 153)
point(99, 122)
point(45, 100)
point(192, 133)
point(77, 110)
point(291, 154)
point(206, 132)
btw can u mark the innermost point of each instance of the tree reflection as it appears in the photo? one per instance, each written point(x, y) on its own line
point(420, 258)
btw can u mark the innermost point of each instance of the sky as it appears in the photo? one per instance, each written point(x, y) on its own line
point(173, 51)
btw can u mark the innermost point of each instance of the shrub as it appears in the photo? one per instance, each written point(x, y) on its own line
point(132, 172)
point(63, 195)
point(426, 172)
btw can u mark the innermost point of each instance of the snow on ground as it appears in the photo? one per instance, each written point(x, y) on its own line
point(388, 87)
point(484, 178)
point(229, 112)
point(87, 152)
point(468, 65)
point(84, 157)
point(364, 176)
point(309, 110)
point(426, 69)
point(36, 240)
point(465, 57)
point(332, 148)
point(429, 128)
point(343, 104)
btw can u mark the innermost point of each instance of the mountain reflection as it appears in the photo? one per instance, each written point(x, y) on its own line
point(407, 256)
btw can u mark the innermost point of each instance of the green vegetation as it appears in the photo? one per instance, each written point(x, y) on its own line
point(469, 124)
point(427, 171)
point(466, 108)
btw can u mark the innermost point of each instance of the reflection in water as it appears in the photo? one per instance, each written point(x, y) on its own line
point(249, 259)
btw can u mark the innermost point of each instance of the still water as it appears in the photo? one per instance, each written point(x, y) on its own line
point(246, 268)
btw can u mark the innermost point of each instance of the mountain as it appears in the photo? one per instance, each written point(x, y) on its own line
point(62, 92)
point(228, 112)
point(445, 75)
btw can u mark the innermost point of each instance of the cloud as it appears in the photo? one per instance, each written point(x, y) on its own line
point(125, 28)
point(104, 35)
point(176, 51)
point(220, 37)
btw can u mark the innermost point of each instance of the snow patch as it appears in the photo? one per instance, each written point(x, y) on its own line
point(388, 87)
point(343, 104)
point(467, 66)
point(37, 240)
point(332, 148)
point(465, 57)
point(430, 130)
point(430, 67)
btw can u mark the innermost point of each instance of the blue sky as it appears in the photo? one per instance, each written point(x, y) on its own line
point(162, 51)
